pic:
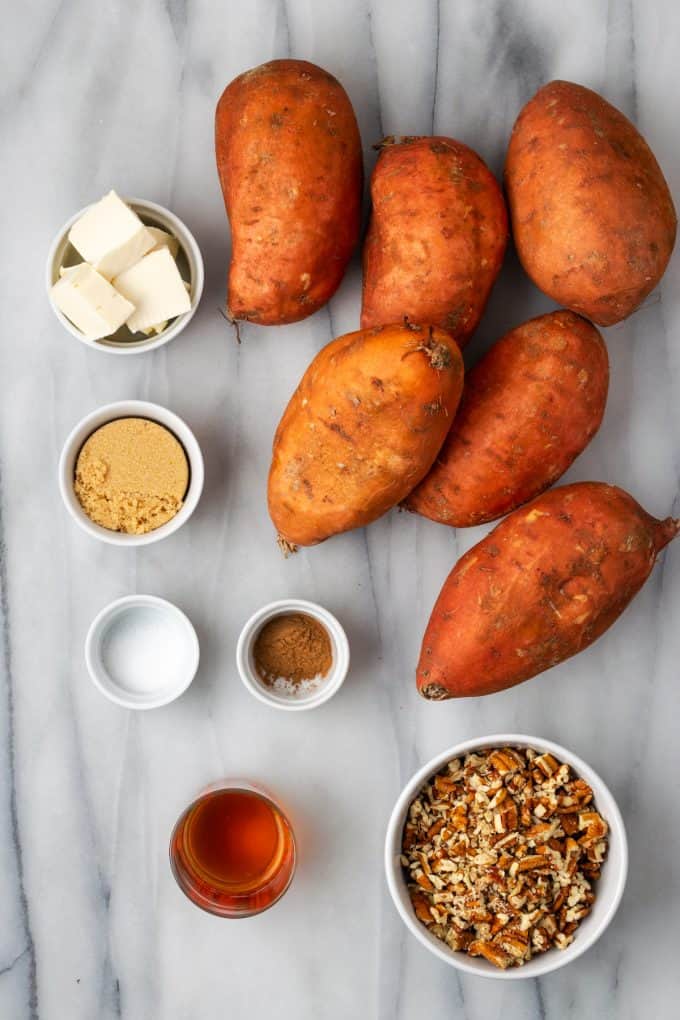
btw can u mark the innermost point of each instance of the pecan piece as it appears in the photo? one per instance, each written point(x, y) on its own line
point(421, 907)
point(492, 953)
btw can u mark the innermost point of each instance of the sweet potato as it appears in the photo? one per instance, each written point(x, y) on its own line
point(436, 238)
point(529, 407)
point(544, 584)
point(592, 217)
point(289, 160)
point(362, 429)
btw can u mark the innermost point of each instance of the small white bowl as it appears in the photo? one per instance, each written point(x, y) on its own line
point(189, 260)
point(327, 687)
point(609, 887)
point(130, 409)
point(141, 651)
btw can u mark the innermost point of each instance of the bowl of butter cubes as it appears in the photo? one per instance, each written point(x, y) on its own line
point(124, 275)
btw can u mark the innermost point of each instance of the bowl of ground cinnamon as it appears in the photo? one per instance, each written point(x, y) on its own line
point(293, 654)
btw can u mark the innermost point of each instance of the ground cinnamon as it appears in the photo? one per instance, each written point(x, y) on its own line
point(293, 647)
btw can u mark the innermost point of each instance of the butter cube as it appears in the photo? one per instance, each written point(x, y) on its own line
point(90, 302)
point(160, 326)
point(110, 236)
point(155, 330)
point(155, 288)
point(164, 240)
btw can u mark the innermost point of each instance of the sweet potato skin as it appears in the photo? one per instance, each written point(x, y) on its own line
point(436, 238)
point(544, 584)
point(289, 160)
point(529, 407)
point(362, 429)
point(592, 217)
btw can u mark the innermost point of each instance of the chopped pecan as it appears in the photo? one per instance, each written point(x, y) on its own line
point(500, 851)
point(531, 861)
point(569, 823)
point(421, 907)
point(491, 953)
point(514, 943)
point(458, 818)
point(540, 831)
point(547, 764)
point(505, 760)
point(581, 791)
point(506, 819)
point(435, 828)
point(594, 825)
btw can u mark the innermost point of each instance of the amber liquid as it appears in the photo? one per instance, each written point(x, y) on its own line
point(233, 852)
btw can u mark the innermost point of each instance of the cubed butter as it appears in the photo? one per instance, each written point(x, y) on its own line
point(110, 236)
point(155, 330)
point(90, 302)
point(155, 288)
point(160, 326)
point(164, 240)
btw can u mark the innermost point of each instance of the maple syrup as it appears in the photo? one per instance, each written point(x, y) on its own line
point(233, 851)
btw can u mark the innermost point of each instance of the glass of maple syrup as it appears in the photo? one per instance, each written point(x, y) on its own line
point(232, 851)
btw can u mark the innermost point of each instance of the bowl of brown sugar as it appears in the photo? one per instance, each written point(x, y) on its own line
point(293, 654)
point(131, 473)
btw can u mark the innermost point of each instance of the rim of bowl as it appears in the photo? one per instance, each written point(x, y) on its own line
point(546, 962)
point(130, 409)
point(95, 666)
point(341, 656)
point(164, 218)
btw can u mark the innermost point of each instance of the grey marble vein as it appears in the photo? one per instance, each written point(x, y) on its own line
point(13, 874)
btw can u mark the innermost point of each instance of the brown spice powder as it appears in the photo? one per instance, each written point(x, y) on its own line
point(294, 647)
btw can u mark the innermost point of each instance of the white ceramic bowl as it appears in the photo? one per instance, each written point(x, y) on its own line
point(326, 689)
point(189, 260)
point(609, 888)
point(130, 409)
point(141, 651)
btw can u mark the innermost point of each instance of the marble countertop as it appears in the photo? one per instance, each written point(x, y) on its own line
point(92, 924)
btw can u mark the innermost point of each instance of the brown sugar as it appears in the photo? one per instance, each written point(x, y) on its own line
point(293, 647)
point(131, 475)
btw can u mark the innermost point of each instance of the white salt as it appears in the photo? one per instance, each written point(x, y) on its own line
point(144, 651)
point(282, 685)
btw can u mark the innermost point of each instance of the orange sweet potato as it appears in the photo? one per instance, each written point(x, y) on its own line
point(362, 429)
point(529, 407)
point(289, 160)
point(544, 584)
point(436, 238)
point(592, 217)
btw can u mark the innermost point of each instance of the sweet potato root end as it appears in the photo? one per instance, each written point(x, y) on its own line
point(286, 547)
point(434, 692)
point(666, 532)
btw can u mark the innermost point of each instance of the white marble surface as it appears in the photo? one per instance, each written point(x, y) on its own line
point(91, 923)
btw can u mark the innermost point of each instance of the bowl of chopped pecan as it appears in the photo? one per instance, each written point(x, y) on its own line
point(506, 856)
